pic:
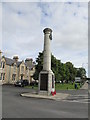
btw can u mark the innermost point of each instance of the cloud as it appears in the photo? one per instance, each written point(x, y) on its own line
point(1, 25)
point(22, 28)
point(70, 32)
point(23, 25)
point(68, 1)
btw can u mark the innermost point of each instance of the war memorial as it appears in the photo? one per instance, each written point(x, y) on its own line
point(46, 76)
point(46, 85)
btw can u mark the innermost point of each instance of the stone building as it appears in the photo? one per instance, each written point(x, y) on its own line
point(12, 70)
point(0, 67)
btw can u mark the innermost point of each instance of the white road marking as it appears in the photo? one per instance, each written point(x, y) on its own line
point(77, 98)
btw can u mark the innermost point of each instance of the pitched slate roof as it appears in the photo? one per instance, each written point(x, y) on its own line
point(18, 63)
point(10, 61)
point(30, 66)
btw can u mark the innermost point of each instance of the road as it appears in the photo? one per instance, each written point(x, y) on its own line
point(15, 106)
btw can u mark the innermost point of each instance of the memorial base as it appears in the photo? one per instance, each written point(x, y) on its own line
point(46, 82)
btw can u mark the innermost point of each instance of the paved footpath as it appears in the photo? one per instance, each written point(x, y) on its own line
point(58, 96)
point(80, 96)
point(67, 97)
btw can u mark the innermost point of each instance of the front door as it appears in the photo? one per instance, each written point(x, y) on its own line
point(21, 77)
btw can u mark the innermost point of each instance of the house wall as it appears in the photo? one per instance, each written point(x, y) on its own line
point(0, 76)
point(3, 70)
point(20, 70)
point(7, 74)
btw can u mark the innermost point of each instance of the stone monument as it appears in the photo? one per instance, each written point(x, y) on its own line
point(46, 76)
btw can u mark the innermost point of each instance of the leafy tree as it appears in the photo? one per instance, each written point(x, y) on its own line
point(39, 65)
point(81, 72)
point(63, 71)
point(70, 71)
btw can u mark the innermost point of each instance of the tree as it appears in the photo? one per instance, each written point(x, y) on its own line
point(38, 66)
point(63, 71)
point(81, 72)
point(70, 71)
point(55, 66)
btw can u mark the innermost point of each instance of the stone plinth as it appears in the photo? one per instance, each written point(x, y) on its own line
point(46, 82)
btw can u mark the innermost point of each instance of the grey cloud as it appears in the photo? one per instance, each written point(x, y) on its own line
point(22, 33)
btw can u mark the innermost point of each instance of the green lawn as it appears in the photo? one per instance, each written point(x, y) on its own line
point(65, 86)
point(59, 86)
point(35, 87)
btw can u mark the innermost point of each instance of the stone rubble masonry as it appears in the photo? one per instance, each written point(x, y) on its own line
point(9, 70)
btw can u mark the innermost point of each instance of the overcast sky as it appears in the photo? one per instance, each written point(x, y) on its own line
point(23, 24)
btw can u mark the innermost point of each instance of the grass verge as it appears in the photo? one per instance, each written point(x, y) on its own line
point(59, 86)
point(65, 86)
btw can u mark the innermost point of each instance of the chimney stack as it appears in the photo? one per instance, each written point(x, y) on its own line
point(29, 61)
point(15, 58)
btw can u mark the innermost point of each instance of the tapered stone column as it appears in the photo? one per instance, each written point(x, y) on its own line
point(46, 76)
point(47, 52)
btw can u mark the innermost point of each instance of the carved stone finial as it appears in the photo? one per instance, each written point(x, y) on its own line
point(47, 30)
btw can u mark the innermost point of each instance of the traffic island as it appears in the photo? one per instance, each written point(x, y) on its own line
point(57, 97)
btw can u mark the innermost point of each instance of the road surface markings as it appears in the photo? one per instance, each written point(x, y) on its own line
point(77, 98)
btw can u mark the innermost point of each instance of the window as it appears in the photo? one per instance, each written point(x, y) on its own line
point(0, 64)
point(22, 68)
point(2, 76)
point(31, 68)
point(3, 66)
point(14, 77)
point(26, 68)
point(14, 68)
point(22, 77)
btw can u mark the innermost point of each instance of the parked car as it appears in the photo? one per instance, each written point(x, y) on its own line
point(22, 83)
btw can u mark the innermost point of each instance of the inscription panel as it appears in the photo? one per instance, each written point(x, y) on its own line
point(44, 82)
point(53, 79)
